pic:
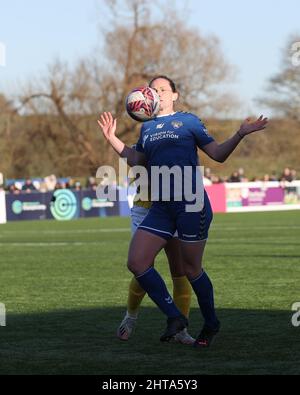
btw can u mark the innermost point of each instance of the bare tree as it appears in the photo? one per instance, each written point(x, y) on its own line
point(66, 94)
point(136, 47)
point(284, 87)
point(168, 46)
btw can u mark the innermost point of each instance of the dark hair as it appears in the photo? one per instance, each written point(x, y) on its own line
point(171, 82)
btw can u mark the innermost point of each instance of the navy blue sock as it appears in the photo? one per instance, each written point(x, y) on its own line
point(156, 288)
point(204, 290)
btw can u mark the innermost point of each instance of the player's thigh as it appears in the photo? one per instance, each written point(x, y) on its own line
point(143, 249)
point(137, 214)
point(192, 256)
point(175, 260)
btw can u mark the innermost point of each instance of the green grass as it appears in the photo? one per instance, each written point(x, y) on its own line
point(65, 286)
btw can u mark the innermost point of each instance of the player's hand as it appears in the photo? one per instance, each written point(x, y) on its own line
point(249, 126)
point(108, 125)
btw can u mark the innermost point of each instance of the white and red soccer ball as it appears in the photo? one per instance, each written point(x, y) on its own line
point(142, 104)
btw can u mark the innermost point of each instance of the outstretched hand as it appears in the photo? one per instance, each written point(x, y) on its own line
point(248, 127)
point(108, 125)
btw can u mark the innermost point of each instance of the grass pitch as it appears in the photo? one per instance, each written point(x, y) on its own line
point(64, 285)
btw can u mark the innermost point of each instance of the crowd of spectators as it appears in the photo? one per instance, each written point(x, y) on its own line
point(287, 175)
point(52, 183)
point(48, 184)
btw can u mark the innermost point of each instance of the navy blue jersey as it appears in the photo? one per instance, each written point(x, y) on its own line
point(172, 140)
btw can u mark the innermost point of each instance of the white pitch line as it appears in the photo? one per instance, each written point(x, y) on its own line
point(51, 244)
point(220, 227)
point(98, 243)
point(127, 230)
point(50, 232)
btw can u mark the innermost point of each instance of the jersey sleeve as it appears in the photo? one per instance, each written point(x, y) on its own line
point(200, 133)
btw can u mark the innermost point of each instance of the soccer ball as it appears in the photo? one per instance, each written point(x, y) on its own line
point(142, 104)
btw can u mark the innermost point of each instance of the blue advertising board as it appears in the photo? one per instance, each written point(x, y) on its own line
point(60, 205)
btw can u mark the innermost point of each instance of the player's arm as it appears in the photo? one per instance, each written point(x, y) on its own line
point(220, 152)
point(109, 126)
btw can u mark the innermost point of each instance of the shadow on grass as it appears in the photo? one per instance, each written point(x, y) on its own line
point(84, 342)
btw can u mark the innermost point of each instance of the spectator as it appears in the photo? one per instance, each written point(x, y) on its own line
point(50, 182)
point(77, 186)
point(294, 174)
point(13, 189)
point(255, 179)
point(70, 184)
point(60, 185)
point(91, 183)
point(207, 173)
point(235, 177)
point(286, 175)
point(28, 187)
point(216, 179)
point(74, 185)
point(273, 176)
point(241, 173)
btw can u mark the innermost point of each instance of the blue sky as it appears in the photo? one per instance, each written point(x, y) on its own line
point(252, 33)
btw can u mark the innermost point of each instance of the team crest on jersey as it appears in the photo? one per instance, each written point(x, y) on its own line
point(177, 124)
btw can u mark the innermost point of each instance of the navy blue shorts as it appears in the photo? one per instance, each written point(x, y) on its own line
point(164, 218)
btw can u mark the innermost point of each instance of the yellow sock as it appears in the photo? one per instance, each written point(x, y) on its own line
point(135, 297)
point(182, 294)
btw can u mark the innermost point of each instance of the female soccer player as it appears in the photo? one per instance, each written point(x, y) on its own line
point(181, 287)
point(172, 139)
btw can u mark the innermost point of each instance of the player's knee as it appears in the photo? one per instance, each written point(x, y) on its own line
point(177, 271)
point(192, 269)
point(131, 266)
point(137, 265)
